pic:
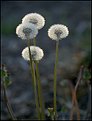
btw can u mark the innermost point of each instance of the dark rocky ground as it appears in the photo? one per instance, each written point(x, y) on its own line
point(72, 52)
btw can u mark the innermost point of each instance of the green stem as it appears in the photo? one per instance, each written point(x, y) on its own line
point(9, 108)
point(34, 80)
point(34, 41)
point(40, 92)
point(55, 78)
point(30, 58)
point(36, 96)
point(39, 87)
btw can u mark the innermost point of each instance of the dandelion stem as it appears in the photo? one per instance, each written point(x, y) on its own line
point(34, 41)
point(36, 96)
point(9, 108)
point(55, 77)
point(34, 80)
point(40, 91)
point(39, 87)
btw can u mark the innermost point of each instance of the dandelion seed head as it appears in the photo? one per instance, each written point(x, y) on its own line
point(26, 31)
point(36, 53)
point(34, 18)
point(58, 31)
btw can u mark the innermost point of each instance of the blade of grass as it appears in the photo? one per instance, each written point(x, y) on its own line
point(9, 108)
point(74, 98)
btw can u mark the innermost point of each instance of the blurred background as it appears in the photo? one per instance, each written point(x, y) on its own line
point(74, 51)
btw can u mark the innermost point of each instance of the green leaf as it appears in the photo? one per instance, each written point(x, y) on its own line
point(63, 109)
point(51, 113)
point(7, 82)
point(3, 73)
point(5, 77)
point(86, 74)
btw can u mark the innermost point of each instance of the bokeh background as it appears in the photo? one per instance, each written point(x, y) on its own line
point(73, 51)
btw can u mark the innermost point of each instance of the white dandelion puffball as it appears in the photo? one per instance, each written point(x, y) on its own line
point(26, 31)
point(34, 18)
point(58, 31)
point(36, 53)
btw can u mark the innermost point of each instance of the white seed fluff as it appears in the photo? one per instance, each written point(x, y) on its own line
point(36, 53)
point(58, 31)
point(26, 31)
point(34, 18)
